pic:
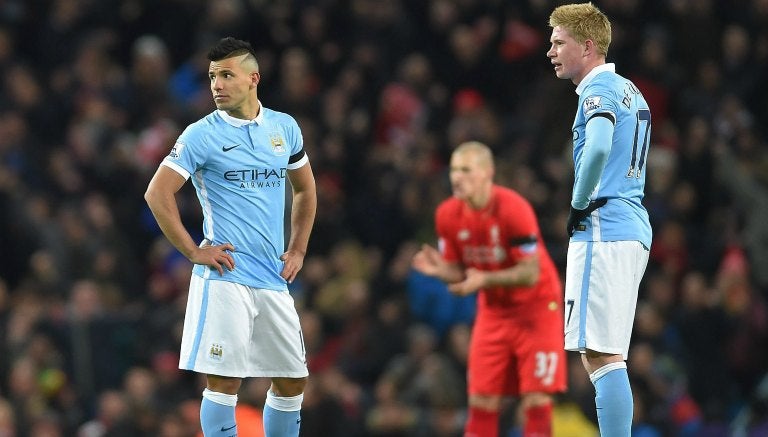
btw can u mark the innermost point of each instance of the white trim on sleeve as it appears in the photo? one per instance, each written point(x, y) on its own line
point(177, 168)
point(300, 163)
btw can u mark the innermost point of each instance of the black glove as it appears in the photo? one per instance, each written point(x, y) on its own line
point(577, 215)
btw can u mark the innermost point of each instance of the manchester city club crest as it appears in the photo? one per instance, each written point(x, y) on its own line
point(216, 352)
point(278, 143)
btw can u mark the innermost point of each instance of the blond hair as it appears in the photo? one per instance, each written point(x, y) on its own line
point(584, 21)
point(479, 151)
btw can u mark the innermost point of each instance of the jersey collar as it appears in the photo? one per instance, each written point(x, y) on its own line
point(239, 122)
point(591, 75)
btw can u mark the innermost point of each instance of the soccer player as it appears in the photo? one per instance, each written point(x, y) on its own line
point(240, 319)
point(490, 243)
point(610, 234)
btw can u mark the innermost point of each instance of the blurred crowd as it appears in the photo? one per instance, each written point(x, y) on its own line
point(92, 296)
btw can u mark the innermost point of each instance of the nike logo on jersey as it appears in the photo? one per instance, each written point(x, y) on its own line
point(228, 148)
point(227, 429)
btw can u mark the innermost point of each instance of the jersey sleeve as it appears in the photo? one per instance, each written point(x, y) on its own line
point(600, 112)
point(597, 145)
point(522, 231)
point(296, 144)
point(599, 102)
point(187, 154)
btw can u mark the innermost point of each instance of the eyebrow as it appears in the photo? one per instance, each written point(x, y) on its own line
point(221, 70)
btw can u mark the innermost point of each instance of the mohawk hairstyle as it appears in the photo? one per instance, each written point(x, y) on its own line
point(229, 47)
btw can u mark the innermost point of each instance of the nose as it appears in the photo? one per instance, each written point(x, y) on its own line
point(551, 51)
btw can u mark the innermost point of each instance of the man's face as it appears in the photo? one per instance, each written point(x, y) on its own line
point(469, 178)
point(231, 82)
point(567, 55)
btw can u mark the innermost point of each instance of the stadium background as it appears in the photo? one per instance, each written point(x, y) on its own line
point(92, 297)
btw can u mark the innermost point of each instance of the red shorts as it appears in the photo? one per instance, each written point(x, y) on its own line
point(520, 352)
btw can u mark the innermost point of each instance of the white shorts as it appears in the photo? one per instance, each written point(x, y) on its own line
point(601, 284)
point(240, 331)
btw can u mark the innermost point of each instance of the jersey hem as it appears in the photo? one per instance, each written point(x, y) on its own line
point(260, 286)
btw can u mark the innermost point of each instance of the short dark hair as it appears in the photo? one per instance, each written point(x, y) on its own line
point(229, 47)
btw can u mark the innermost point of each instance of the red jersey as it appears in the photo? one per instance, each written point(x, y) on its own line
point(495, 238)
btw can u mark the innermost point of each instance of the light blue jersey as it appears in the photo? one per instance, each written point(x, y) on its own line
point(239, 168)
point(621, 176)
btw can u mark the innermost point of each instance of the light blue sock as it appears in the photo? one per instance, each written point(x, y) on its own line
point(282, 415)
point(613, 399)
point(217, 414)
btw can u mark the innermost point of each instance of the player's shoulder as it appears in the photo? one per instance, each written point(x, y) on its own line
point(206, 125)
point(210, 121)
point(605, 83)
point(511, 206)
point(450, 204)
point(278, 116)
point(507, 197)
point(609, 84)
point(450, 207)
point(603, 93)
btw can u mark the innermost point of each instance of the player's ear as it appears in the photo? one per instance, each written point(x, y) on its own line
point(589, 47)
point(255, 78)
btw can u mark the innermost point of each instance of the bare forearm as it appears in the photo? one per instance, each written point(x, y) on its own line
point(166, 212)
point(450, 273)
point(523, 274)
point(512, 277)
point(302, 219)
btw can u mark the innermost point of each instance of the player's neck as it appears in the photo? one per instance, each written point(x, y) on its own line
point(481, 201)
point(589, 66)
point(247, 111)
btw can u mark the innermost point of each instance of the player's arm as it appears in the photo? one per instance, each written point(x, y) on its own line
point(161, 199)
point(523, 274)
point(442, 264)
point(597, 145)
point(303, 211)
